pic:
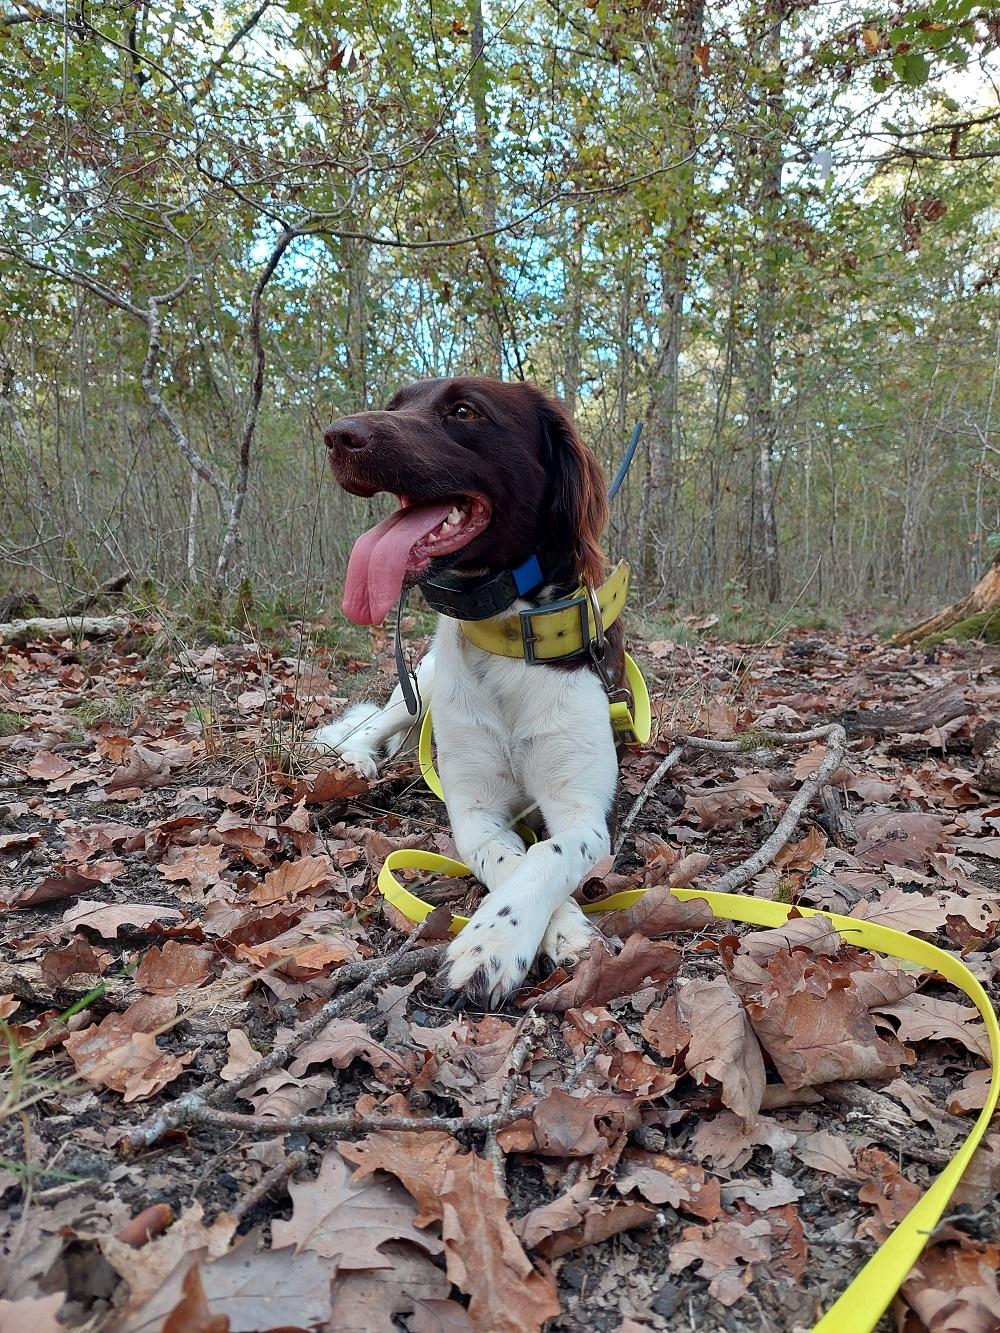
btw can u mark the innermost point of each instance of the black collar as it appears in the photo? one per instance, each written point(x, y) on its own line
point(480, 596)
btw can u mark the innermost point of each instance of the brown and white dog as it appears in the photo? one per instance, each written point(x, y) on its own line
point(489, 475)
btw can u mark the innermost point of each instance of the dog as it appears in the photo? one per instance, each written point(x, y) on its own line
point(496, 491)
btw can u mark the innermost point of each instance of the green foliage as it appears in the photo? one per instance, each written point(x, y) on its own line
point(162, 162)
point(984, 627)
point(10, 723)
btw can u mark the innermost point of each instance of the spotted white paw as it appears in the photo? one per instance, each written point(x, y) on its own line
point(568, 935)
point(493, 954)
point(348, 738)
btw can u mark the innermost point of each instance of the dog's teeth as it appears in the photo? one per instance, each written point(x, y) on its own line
point(454, 517)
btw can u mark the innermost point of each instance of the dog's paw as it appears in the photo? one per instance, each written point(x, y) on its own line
point(348, 739)
point(568, 936)
point(491, 957)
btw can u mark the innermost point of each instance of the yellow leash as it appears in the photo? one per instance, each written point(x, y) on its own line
point(864, 1302)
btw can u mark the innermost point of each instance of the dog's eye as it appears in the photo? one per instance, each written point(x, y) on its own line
point(463, 412)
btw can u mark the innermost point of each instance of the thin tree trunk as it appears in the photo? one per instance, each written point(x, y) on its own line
point(573, 305)
point(356, 258)
point(491, 347)
point(657, 506)
point(762, 417)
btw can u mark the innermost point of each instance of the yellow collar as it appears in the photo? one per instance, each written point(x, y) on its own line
point(544, 633)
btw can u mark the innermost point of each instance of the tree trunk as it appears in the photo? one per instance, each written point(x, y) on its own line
point(984, 597)
point(490, 349)
point(657, 502)
point(762, 420)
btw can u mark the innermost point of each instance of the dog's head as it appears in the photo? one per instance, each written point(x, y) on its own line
point(486, 474)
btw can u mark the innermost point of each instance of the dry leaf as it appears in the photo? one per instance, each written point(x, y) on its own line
point(573, 1220)
point(601, 976)
point(953, 1288)
point(349, 1220)
point(657, 913)
point(483, 1255)
point(293, 878)
point(662, 1179)
point(811, 1017)
point(723, 1250)
point(173, 968)
point(121, 1052)
point(723, 1045)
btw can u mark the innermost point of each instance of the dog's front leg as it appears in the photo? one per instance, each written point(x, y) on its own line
point(493, 954)
point(365, 731)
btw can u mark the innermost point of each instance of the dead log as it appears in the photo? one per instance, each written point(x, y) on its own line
point(986, 748)
point(935, 709)
point(109, 586)
point(983, 601)
point(63, 627)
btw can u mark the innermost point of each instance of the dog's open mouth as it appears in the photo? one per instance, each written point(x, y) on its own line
point(402, 546)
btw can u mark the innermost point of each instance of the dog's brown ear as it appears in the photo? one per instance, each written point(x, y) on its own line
point(579, 492)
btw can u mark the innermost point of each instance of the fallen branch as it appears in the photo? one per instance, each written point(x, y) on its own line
point(349, 1122)
point(665, 766)
point(198, 1108)
point(785, 827)
point(534, 1027)
point(836, 740)
point(75, 627)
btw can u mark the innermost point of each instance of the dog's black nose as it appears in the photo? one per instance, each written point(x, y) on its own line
point(347, 433)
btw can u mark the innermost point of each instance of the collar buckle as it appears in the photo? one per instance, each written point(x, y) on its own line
point(529, 638)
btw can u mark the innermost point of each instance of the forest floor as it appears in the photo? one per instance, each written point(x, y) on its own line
point(713, 1132)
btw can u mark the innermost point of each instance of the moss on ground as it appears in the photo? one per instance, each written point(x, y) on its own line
point(983, 627)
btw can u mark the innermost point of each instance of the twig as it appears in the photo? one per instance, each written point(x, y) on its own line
point(348, 1122)
point(363, 978)
point(664, 767)
point(534, 1026)
point(268, 1181)
point(785, 827)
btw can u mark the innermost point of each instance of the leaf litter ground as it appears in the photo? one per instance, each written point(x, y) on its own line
point(710, 1128)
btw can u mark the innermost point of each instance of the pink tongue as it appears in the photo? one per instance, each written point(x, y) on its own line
point(378, 561)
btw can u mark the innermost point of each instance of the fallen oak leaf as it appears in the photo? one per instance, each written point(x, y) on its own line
point(293, 878)
point(573, 1220)
point(371, 1298)
point(804, 854)
point(66, 882)
point(724, 1252)
point(723, 1045)
point(325, 786)
point(121, 1052)
point(601, 976)
point(726, 1142)
point(926, 1018)
point(887, 1190)
point(192, 1313)
point(823, 1151)
point(657, 913)
point(344, 1040)
point(483, 1255)
point(810, 1016)
point(900, 838)
point(107, 919)
point(566, 1125)
point(954, 1287)
point(199, 866)
point(662, 1179)
point(173, 968)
